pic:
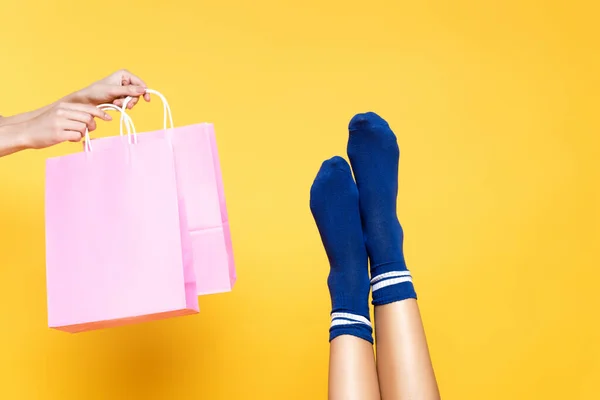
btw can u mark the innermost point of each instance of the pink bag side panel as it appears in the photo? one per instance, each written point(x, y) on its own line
point(113, 238)
point(210, 256)
point(221, 190)
point(189, 275)
point(195, 170)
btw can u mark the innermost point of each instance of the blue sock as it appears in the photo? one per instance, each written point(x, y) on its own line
point(334, 205)
point(374, 155)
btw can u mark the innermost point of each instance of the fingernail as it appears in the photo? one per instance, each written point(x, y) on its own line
point(107, 117)
point(141, 90)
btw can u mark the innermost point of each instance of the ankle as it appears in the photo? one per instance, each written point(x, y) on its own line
point(391, 282)
point(350, 324)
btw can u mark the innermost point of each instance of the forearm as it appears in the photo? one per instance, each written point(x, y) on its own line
point(26, 116)
point(403, 361)
point(352, 373)
point(12, 138)
point(20, 118)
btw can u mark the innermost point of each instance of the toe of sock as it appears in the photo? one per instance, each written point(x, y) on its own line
point(366, 120)
point(334, 163)
point(334, 169)
point(334, 176)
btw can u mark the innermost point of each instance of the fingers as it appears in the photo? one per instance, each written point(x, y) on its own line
point(132, 102)
point(86, 108)
point(74, 119)
point(119, 92)
point(131, 79)
point(80, 116)
point(73, 131)
point(122, 84)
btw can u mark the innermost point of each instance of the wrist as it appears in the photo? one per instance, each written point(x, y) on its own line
point(22, 136)
point(74, 97)
point(78, 97)
point(13, 138)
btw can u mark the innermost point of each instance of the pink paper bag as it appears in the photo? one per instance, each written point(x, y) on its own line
point(200, 181)
point(117, 242)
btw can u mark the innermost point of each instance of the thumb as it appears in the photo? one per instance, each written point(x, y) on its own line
point(117, 92)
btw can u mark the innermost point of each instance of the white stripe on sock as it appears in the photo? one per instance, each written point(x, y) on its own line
point(353, 317)
point(337, 322)
point(390, 282)
point(391, 274)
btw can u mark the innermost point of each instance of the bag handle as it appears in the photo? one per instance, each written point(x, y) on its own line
point(166, 108)
point(125, 119)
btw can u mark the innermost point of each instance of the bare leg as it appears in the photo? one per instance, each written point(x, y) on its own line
point(403, 361)
point(352, 373)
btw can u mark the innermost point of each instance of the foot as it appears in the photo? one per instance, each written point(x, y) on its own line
point(374, 155)
point(334, 205)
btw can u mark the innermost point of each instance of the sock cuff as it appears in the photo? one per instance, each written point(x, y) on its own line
point(344, 318)
point(392, 286)
point(350, 324)
point(390, 278)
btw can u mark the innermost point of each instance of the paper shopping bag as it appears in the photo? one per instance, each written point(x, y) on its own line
point(200, 179)
point(117, 243)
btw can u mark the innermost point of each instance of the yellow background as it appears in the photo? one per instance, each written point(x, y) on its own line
point(495, 104)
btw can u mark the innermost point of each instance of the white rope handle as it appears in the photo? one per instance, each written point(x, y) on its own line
point(166, 108)
point(125, 119)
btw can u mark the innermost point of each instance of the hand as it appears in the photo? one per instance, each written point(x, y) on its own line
point(59, 123)
point(112, 89)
